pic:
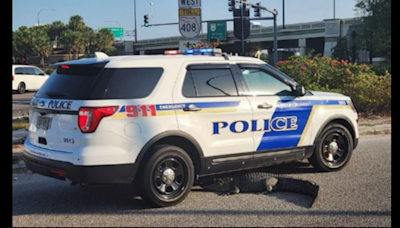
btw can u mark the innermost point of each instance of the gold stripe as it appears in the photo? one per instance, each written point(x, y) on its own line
point(303, 134)
point(307, 125)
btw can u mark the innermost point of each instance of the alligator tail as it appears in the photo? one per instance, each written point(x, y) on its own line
point(297, 186)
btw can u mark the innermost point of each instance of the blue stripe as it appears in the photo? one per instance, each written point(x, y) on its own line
point(198, 104)
point(290, 138)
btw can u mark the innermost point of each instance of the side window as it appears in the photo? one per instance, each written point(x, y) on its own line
point(261, 83)
point(209, 83)
point(37, 71)
point(29, 71)
point(126, 83)
point(19, 70)
point(188, 89)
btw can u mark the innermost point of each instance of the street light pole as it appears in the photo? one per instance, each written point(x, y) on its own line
point(334, 8)
point(39, 13)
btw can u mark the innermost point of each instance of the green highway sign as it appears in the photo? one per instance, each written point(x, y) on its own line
point(216, 29)
point(117, 31)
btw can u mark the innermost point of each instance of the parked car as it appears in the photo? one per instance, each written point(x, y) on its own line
point(27, 78)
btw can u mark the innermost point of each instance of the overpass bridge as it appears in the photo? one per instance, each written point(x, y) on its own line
point(321, 36)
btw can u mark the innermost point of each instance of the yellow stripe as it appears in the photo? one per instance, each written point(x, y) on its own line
point(310, 117)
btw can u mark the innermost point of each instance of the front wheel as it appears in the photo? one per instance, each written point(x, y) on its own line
point(333, 148)
point(167, 177)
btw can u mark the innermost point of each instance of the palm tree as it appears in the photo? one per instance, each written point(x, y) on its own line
point(22, 39)
point(89, 37)
point(41, 42)
point(104, 39)
point(55, 30)
point(76, 23)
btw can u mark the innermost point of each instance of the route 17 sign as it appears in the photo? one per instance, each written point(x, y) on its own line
point(189, 22)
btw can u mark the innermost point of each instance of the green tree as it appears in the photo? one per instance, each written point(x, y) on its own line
point(41, 42)
point(375, 32)
point(104, 40)
point(76, 23)
point(55, 30)
point(22, 42)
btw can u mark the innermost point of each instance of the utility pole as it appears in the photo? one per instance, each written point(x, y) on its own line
point(283, 14)
point(241, 19)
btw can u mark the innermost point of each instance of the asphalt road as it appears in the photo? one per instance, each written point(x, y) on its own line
point(358, 195)
point(20, 103)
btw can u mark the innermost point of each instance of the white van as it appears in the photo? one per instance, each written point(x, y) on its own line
point(26, 77)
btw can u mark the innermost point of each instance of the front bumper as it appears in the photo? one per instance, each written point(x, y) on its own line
point(104, 174)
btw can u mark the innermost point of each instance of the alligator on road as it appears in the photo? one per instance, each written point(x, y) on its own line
point(262, 182)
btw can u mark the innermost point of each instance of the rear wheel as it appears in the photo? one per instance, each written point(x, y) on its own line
point(333, 148)
point(21, 88)
point(167, 177)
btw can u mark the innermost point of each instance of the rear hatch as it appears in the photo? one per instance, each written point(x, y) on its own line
point(54, 109)
point(76, 97)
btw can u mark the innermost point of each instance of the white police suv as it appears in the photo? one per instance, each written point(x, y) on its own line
point(163, 121)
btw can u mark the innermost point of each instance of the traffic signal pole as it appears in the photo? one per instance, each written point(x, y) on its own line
point(241, 20)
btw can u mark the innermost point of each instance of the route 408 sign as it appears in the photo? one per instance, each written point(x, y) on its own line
point(189, 22)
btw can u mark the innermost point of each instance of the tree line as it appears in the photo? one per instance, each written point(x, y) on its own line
point(74, 37)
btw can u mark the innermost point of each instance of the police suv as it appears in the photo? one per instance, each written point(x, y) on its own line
point(161, 122)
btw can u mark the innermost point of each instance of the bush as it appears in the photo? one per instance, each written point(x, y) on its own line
point(371, 93)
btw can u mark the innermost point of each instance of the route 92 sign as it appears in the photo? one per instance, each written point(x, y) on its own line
point(190, 22)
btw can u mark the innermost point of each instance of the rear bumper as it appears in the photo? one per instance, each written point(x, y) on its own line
point(104, 174)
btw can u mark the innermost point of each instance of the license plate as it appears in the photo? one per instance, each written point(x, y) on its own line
point(42, 122)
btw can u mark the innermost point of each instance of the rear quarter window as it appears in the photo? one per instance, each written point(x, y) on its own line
point(126, 83)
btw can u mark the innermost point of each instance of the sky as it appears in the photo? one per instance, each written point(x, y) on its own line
point(99, 13)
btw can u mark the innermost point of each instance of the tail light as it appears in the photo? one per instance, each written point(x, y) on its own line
point(89, 117)
point(13, 77)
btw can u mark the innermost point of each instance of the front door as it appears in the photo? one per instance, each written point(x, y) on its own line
point(279, 118)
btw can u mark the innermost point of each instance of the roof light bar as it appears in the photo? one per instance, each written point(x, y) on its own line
point(198, 51)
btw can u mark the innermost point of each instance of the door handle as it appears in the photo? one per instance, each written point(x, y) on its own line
point(191, 107)
point(264, 106)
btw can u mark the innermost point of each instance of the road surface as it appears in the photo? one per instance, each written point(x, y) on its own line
point(358, 195)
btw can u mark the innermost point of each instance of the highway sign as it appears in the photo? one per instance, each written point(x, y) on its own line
point(189, 3)
point(117, 31)
point(189, 22)
point(216, 29)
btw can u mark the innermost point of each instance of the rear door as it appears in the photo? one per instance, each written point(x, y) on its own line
point(213, 112)
point(54, 108)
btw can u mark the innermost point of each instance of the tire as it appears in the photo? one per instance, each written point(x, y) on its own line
point(166, 161)
point(21, 88)
point(333, 148)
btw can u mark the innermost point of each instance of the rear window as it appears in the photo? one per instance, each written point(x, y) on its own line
point(95, 82)
point(73, 82)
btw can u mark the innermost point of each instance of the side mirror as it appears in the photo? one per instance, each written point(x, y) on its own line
point(41, 74)
point(299, 90)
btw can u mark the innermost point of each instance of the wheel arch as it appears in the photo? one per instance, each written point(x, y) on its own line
point(176, 138)
point(340, 119)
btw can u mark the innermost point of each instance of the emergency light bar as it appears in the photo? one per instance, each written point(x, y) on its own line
point(199, 51)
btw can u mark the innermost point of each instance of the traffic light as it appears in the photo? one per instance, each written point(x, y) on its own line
point(146, 20)
point(257, 12)
point(231, 4)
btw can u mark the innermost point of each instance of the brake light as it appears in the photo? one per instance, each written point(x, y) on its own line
point(89, 117)
point(64, 66)
point(13, 77)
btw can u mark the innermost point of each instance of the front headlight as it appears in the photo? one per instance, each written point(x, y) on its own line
point(350, 103)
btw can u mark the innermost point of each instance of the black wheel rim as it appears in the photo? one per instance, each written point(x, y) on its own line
point(335, 149)
point(170, 177)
